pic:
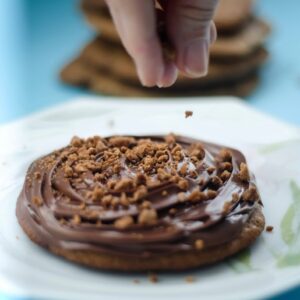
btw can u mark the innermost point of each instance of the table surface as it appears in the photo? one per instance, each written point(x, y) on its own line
point(38, 37)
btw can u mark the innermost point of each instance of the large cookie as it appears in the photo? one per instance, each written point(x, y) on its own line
point(242, 43)
point(141, 203)
point(113, 58)
point(230, 15)
point(79, 73)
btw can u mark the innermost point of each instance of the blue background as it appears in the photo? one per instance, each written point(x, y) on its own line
point(37, 37)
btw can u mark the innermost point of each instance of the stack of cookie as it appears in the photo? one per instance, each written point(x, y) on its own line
point(104, 67)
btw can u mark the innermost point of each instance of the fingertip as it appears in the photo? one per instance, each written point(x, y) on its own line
point(169, 77)
point(193, 59)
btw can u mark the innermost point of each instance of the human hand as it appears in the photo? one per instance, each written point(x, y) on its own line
point(189, 27)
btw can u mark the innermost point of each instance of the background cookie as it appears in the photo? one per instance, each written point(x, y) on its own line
point(241, 43)
point(231, 15)
point(113, 58)
point(235, 59)
point(79, 73)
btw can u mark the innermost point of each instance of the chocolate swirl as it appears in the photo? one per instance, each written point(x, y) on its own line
point(138, 196)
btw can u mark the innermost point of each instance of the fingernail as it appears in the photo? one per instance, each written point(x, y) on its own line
point(196, 58)
point(169, 76)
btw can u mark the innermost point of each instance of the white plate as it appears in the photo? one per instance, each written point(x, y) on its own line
point(272, 149)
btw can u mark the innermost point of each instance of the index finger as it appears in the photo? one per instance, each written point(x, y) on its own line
point(136, 23)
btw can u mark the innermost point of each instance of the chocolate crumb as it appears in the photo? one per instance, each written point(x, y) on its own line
point(136, 281)
point(172, 211)
point(140, 193)
point(225, 175)
point(196, 195)
point(269, 228)
point(225, 166)
point(97, 194)
point(210, 170)
point(215, 182)
point(170, 139)
point(197, 150)
point(181, 197)
point(162, 174)
point(82, 206)
point(225, 155)
point(119, 141)
point(251, 194)
point(199, 244)
point(76, 142)
point(183, 169)
point(183, 184)
point(124, 200)
point(244, 173)
point(37, 175)
point(124, 184)
point(235, 198)
point(68, 171)
point(211, 194)
point(140, 178)
point(124, 222)
point(62, 221)
point(37, 201)
point(147, 217)
point(146, 204)
point(188, 113)
point(76, 220)
point(164, 193)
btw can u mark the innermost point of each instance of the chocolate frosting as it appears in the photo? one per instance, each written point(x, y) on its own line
point(61, 211)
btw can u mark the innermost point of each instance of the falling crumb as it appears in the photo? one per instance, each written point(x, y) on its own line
point(153, 278)
point(37, 201)
point(199, 244)
point(76, 219)
point(190, 279)
point(269, 228)
point(188, 113)
point(136, 281)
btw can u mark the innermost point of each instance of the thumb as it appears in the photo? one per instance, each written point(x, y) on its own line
point(191, 30)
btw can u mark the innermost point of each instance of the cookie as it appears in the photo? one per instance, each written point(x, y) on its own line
point(80, 74)
point(230, 15)
point(240, 44)
point(114, 58)
point(130, 203)
point(103, 24)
